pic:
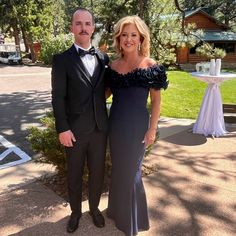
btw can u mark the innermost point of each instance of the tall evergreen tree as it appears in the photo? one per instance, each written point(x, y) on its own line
point(35, 19)
point(70, 7)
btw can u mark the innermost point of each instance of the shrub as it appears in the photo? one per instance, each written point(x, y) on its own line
point(54, 45)
point(208, 51)
point(45, 141)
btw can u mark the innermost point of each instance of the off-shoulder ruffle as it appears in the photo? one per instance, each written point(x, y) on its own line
point(152, 77)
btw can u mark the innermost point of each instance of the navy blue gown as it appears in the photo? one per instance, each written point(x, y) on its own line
point(129, 121)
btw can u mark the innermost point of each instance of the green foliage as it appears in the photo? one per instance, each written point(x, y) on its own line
point(184, 95)
point(54, 45)
point(38, 20)
point(45, 141)
point(58, 17)
point(166, 34)
point(208, 51)
point(70, 8)
point(219, 53)
point(33, 21)
point(163, 32)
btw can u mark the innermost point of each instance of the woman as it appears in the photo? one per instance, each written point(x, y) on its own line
point(132, 77)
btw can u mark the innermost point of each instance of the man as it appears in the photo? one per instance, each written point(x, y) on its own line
point(78, 100)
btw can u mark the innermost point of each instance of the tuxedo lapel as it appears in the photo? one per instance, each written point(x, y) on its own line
point(96, 77)
point(99, 67)
point(79, 64)
point(83, 68)
point(101, 70)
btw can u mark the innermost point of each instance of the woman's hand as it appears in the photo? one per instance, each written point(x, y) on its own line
point(150, 137)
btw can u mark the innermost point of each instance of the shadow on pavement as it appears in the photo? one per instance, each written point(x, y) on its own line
point(187, 138)
point(27, 215)
point(193, 191)
point(21, 110)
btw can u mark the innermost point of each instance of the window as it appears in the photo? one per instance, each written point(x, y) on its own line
point(228, 47)
point(193, 49)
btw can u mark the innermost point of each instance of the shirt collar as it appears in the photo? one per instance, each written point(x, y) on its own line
point(85, 49)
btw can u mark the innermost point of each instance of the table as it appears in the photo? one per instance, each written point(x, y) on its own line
point(210, 119)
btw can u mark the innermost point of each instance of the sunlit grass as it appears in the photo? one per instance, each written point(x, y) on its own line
point(184, 95)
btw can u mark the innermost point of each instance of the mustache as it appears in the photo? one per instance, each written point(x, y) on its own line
point(83, 32)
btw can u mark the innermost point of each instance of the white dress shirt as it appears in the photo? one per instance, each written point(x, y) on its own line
point(88, 60)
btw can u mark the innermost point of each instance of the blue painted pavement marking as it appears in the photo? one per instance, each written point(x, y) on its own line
point(11, 148)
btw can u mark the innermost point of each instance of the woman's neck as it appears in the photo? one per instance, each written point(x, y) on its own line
point(128, 57)
point(132, 60)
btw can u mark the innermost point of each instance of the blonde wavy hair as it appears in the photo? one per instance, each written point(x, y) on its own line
point(142, 29)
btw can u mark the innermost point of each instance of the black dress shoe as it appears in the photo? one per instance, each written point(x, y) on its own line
point(98, 218)
point(73, 222)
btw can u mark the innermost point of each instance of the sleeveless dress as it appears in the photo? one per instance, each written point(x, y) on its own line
point(128, 123)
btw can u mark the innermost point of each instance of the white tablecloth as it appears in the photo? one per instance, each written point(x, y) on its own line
point(210, 119)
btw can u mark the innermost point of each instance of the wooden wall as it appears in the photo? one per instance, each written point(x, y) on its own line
point(204, 22)
point(194, 58)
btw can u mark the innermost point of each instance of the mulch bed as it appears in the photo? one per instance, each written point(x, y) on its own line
point(58, 183)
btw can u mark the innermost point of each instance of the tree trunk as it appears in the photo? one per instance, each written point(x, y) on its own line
point(32, 52)
point(16, 31)
point(25, 41)
point(142, 8)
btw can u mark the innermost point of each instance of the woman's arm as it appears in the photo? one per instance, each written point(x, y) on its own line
point(150, 135)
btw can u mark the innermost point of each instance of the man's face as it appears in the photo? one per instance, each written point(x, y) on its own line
point(82, 28)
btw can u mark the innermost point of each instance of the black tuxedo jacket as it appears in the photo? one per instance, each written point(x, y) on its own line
point(78, 104)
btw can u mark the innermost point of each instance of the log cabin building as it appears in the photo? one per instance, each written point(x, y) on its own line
point(214, 33)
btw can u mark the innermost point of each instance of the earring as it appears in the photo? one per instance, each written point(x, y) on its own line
point(139, 46)
point(120, 48)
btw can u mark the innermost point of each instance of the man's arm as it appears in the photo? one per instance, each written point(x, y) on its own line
point(59, 90)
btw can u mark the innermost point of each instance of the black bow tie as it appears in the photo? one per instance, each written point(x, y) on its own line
point(82, 52)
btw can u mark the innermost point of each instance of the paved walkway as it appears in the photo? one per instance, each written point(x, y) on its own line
point(193, 193)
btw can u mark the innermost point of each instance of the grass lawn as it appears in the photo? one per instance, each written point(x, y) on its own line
point(184, 95)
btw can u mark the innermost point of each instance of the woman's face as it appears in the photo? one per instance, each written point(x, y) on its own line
point(130, 38)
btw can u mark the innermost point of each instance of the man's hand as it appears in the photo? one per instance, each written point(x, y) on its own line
point(67, 138)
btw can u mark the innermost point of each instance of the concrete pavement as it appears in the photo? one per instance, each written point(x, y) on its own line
point(25, 97)
point(192, 193)
point(194, 190)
